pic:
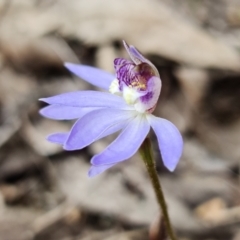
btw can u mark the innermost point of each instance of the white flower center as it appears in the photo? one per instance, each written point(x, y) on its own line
point(114, 87)
point(130, 94)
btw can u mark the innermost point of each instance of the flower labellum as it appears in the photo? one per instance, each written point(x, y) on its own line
point(127, 107)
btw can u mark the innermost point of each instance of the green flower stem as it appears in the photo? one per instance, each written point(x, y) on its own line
point(147, 156)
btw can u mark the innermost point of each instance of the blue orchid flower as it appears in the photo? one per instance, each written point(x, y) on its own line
point(127, 107)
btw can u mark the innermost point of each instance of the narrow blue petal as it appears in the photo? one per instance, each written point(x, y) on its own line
point(126, 144)
point(59, 138)
point(94, 125)
point(137, 57)
point(134, 54)
point(60, 112)
point(169, 140)
point(87, 99)
point(95, 76)
point(96, 170)
point(113, 129)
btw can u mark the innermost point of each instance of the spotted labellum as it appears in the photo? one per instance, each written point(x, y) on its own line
point(127, 108)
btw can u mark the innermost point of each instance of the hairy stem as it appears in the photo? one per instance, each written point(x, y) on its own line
point(147, 156)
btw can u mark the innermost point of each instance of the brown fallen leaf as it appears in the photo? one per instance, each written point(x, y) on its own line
point(211, 210)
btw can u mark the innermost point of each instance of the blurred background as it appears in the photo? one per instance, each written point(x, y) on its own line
point(45, 193)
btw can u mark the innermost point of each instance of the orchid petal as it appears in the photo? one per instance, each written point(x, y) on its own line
point(149, 100)
point(113, 129)
point(169, 140)
point(96, 170)
point(134, 54)
point(94, 125)
point(126, 144)
point(60, 112)
point(95, 76)
point(137, 57)
point(59, 138)
point(87, 99)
